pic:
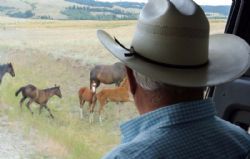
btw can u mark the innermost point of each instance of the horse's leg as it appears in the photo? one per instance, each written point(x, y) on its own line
point(81, 109)
point(90, 104)
point(102, 103)
point(81, 106)
point(91, 110)
point(100, 116)
point(28, 106)
point(21, 102)
point(117, 84)
point(40, 109)
point(49, 111)
point(91, 117)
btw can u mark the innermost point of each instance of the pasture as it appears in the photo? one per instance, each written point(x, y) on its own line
point(45, 53)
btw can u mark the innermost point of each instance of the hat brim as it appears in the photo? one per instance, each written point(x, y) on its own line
point(228, 60)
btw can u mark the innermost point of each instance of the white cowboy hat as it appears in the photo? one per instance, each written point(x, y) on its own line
point(171, 44)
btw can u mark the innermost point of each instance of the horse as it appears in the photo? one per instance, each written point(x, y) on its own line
point(6, 68)
point(118, 94)
point(39, 96)
point(107, 74)
point(85, 94)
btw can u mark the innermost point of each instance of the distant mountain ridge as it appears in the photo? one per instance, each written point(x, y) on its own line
point(95, 3)
point(222, 10)
point(86, 10)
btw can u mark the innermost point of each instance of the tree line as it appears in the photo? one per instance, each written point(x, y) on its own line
point(109, 4)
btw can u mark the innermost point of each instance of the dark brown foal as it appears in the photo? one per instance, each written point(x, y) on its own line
point(38, 96)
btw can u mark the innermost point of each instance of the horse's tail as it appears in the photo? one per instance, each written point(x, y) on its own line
point(18, 91)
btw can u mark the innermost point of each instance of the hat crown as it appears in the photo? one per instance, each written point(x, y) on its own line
point(172, 32)
point(170, 45)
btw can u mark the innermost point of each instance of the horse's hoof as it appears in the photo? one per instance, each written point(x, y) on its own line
point(100, 120)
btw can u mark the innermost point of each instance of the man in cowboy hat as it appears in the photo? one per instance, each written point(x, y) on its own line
point(171, 60)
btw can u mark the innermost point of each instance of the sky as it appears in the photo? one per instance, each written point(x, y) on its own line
point(200, 2)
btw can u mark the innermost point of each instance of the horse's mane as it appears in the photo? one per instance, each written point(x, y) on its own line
point(2, 67)
point(50, 89)
point(125, 83)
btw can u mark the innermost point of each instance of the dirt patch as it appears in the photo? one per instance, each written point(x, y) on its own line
point(52, 148)
point(13, 144)
point(17, 144)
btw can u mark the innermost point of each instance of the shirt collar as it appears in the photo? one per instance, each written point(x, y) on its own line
point(167, 116)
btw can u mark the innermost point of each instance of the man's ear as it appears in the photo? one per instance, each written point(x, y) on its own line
point(132, 81)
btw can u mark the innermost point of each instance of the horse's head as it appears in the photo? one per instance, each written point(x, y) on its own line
point(10, 69)
point(124, 82)
point(93, 87)
point(58, 91)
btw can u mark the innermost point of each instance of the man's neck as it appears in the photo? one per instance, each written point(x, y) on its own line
point(147, 101)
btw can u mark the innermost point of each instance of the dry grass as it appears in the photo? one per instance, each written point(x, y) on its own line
point(45, 145)
point(74, 39)
point(217, 26)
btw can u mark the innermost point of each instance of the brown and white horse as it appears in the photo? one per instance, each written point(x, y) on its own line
point(85, 94)
point(118, 94)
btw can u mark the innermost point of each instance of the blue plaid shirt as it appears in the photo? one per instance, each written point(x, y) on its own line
point(188, 130)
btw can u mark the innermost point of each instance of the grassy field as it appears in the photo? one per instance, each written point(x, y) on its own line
point(45, 53)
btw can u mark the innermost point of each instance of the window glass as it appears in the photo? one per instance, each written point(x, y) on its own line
point(53, 43)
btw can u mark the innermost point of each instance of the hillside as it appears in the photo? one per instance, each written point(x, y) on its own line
point(85, 9)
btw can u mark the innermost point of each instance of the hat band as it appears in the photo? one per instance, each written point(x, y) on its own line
point(132, 52)
point(173, 31)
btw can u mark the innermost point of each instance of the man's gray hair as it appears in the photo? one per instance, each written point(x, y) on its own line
point(151, 85)
point(147, 83)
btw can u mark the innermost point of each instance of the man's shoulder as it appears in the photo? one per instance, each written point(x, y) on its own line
point(194, 140)
point(146, 145)
point(233, 130)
